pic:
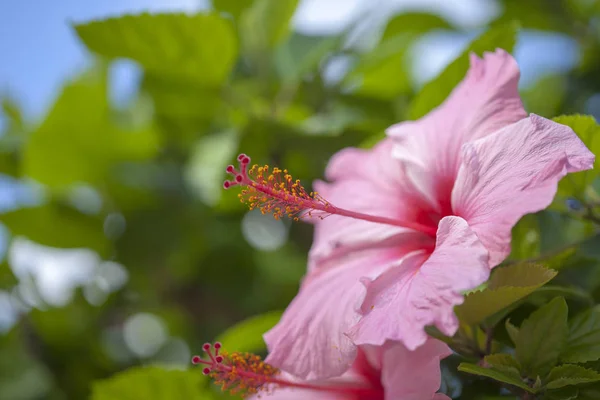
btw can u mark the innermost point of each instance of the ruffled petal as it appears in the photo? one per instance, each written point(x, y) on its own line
point(309, 341)
point(405, 374)
point(423, 290)
point(413, 375)
point(370, 182)
point(485, 101)
point(512, 173)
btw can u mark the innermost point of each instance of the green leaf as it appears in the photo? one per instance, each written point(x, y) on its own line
point(208, 160)
point(565, 393)
point(504, 363)
point(525, 243)
point(507, 285)
point(433, 93)
point(494, 374)
point(546, 95)
point(542, 338)
point(200, 47)
point(302, 54)
point(520, 275)
point(78, 141)
point(246, 336)
point(583, 343)
point(513, 331)
point(413, 22)
point(588, 130)
point(382, 73)
point(151, 383)
point(233, 7)
point(568, 374)
point(266, 24)
point(534, 14)
point(502, 360)
point(567, 292)
point(58, 226)
point(589, 392)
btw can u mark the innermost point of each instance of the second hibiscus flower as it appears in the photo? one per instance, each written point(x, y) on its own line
point(415, 221)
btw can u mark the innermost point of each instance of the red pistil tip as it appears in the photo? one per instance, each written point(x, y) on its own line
point(275, 191)
point(238, 373)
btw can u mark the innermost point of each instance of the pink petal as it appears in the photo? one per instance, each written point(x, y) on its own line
point(309, 341)
point(371, 182)
point(512, 173)
point(298, 394)
point(485, 101)
point(413, 375)
point(423, 291)
point(287, 393)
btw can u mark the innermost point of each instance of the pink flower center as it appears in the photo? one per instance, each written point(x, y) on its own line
point(278, 193)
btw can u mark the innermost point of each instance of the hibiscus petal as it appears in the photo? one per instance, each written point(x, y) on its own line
point(276, 392)
point(485, 101)
point(413, 375)
point(309, 340)
point(298, 394)
point(423, 291)
point(370, 182)
point(514, 172)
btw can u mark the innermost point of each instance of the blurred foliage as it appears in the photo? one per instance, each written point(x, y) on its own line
point(140, 185)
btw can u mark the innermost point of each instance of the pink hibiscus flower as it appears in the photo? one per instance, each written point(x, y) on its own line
point(415, 221)
point(388, 372)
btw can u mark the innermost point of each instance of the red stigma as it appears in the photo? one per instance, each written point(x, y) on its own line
point(276, 192)
point(246, 374)
point(238, 373)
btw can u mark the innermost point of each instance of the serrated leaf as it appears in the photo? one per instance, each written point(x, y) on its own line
point(433, 93)
point(542, 338)
point(200, 47)
point(583, 343)
point(588, 130)
point(568, 374)
point(151, 383)
point(513, 331)
point(266, 24)
point(246, 336)
point(499, 376)
point(502, 360)
point(505, 363)
point(507, 285)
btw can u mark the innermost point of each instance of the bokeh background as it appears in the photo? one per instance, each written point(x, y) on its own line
point(118, 246)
